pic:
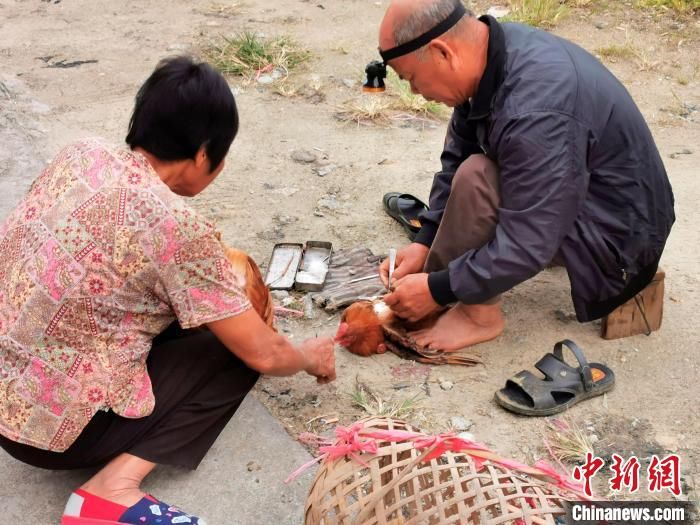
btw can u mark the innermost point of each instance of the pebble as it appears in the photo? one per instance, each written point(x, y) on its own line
point(326, 170)
point(303, 156)
point(265, 79)
point(466, 435)
point(460, 424)
point(287, 192)
point(280, 294)
point(564, 317)
point(285, 219)
point(252, 465)
point(447, 385)
point(348, 82)
point(329, 202)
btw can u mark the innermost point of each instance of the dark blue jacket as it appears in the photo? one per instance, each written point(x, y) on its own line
point(580, 176)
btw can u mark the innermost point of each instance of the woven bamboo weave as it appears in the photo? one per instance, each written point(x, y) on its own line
point(395, 486)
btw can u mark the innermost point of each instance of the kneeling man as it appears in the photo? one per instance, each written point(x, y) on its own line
point(547, 159)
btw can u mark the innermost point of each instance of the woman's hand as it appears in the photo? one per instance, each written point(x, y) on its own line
point(411, 298)
point(409, 259)
point(320, 356)
point(270, 353)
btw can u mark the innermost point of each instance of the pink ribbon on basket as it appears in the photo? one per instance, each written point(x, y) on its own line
point(356, 439)
point(349, 443)
point(449, 443)
point(562, 481)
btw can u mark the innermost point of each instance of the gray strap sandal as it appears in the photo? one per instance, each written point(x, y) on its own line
point(562, 387)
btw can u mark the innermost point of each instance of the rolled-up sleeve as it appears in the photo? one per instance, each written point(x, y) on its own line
point(460, 143)
point(542, 162)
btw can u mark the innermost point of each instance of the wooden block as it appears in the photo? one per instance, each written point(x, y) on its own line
point(627, 320)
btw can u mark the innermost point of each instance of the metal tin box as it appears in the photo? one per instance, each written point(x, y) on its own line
point(283, 266)
point(313, 269)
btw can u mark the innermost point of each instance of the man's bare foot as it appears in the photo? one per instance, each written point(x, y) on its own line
point(462, 325)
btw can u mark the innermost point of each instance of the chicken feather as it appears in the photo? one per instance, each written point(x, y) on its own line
point(361, 327)
point(253, 284)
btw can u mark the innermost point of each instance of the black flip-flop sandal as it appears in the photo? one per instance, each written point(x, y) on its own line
point(405, 208)
point(562, 387)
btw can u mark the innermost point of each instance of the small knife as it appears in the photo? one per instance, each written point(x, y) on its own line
point(392, 264)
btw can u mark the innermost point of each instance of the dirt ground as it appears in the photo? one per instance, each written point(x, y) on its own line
point(264, 196)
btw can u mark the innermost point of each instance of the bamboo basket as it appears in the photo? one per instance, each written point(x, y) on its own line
point(396, 486)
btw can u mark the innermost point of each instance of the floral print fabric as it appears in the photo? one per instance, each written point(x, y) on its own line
point(96, 260)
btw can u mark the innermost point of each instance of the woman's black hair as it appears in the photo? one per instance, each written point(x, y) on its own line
point(183, 106)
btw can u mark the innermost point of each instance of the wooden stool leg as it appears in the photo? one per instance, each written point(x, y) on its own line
point(640, 315)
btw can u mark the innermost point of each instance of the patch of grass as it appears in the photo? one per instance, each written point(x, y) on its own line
point(366, 109)
point(247, 53)
point(566, 441)
point(683, 7)
point(374, 405)
point(615, 52)
point(310, 89)
point(538, 13)
point(406, 100)
point(645, 63)
point(398, 102)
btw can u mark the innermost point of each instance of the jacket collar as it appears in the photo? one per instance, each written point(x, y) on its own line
point(493, 74)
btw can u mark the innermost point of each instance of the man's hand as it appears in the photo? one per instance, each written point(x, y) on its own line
point(411, 298)
point(320, 356)
point(409, 259)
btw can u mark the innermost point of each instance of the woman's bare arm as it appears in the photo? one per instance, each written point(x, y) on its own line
point(264, 350)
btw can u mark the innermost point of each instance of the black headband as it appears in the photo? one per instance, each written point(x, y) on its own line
point(425, 38)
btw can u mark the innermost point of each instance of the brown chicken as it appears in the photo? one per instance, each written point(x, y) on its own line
point(361, 327)
point(254, 285)
point(370, 327)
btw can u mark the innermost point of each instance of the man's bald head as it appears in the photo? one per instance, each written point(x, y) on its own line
point(449, 67)
point(407, 19)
